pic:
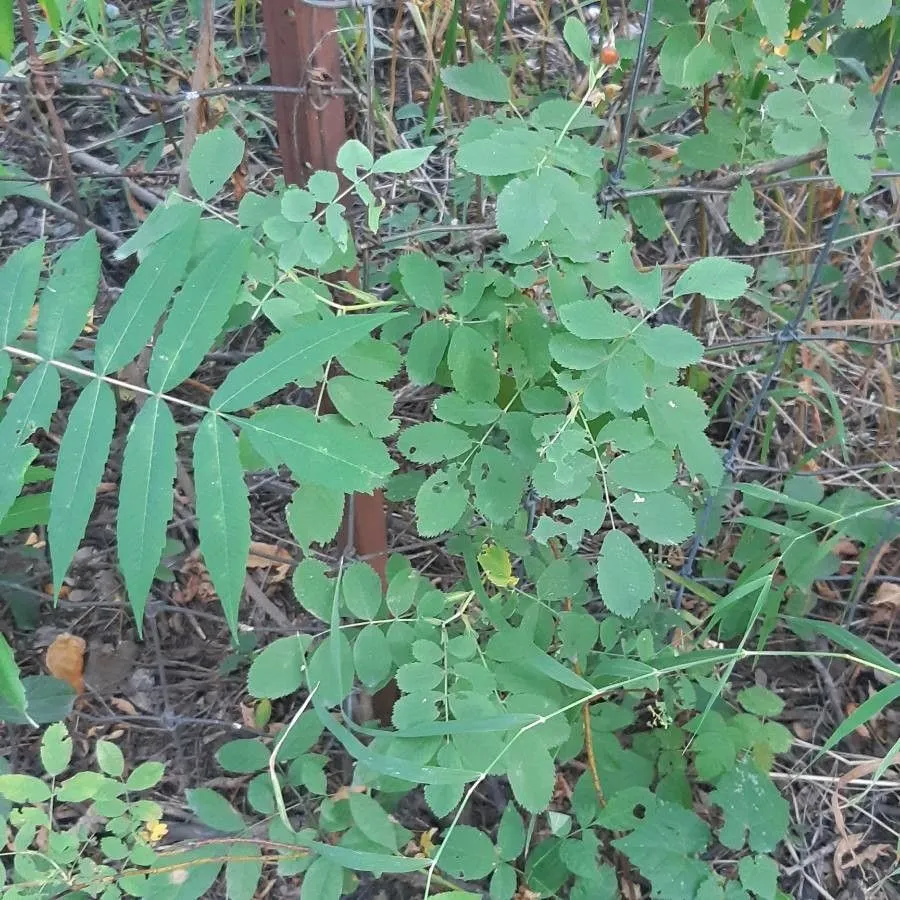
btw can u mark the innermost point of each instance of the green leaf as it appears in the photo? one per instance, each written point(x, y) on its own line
point(716, 278)
point(422, 280)
point(430, 442)
point(18, 283)
point(129, 324)
point(531, 772)
point(374, 360)
point(863, 713)
point(578, 39)
point(774, 16)
point(7, 36)
point(865, 13)
point(244, 756)
point(56, 749)
point(362, 591)
point(68, 296)
point(354, 155)
point(292, 354)
point(145, 500)
point(27, 511)
point(760, 701)
point(440, 502)
point(426, 351)
point(297, 205)
point(215, 156)
point(659, 517)
point(12, 691)
point(323, 185)
point(327, 452)
point(331, 667)
point(510, 834)
point(664, 847)
point(759, 874)
point(110, 759)
point(242, 875)
point(669, 345)
point(471, 361)
point(214, 811)
point(185, 876)
point(48, 700)
point(79, 469)
point(363, 861)
point(742, 214)
point(401, 161)
point(323, 880)
point(849, 155)
point(594, 319)
point(467, 853)
point(624, 577)
point(372, 820)
point(496, 156)
point(652, 469)
point(480, 80)
point(278, 670)
point(223, 513)
point(23, 789)
point(145, 776)
point(199, 312)
point(363, 403)
point(524, 209)
point(753, 808)
point(372, 655)
point(314, 514)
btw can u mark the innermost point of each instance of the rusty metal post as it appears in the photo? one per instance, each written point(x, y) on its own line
point(303, 52)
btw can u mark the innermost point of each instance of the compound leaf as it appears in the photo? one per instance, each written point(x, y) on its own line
point(223, 512)
point(79, 468)
point(145, 500)
point(199, 312)
point(68, 296)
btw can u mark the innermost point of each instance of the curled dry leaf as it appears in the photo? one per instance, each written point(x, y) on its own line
point(65, 660)
point(270, 556)
point(886, 603)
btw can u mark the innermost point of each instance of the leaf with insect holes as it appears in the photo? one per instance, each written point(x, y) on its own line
point(659, 517)
point(214, 157)
point(624, 576)
point(129, 324)
point(79, 467)
point(68, 296)
point(199, 312)
point(399, 162)
point(742, 214)
point(145, 500)
point(716, 278)
point(754, 809)
point(314, 514)
point(440, 502)
point(431, 442)
point(480, 80)
point(223, 513)
point(300, 350)
point(327, 452)
point(19, 278)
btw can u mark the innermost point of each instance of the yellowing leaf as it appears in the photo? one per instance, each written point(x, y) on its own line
point(497, 565)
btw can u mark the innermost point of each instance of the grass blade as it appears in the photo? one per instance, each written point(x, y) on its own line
point(865, 711)
point(145, 500)
point(223, 512)
point(79, 468)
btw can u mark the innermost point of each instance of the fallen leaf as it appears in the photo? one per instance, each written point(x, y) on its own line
point(65, 660)
point(887, 604)
point(270, 556)
point(848, 847)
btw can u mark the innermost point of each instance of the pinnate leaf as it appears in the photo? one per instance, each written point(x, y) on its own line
point(79, 468)
point(624, 577)
point(18, 283)
point(327, 452)
point(223, 512)
point(129, 324)
point(145, 500)
point(68, 296)
point(199, 312)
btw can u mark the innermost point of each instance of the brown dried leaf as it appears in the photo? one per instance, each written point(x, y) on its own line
point(270, 556)
point(65, 660)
